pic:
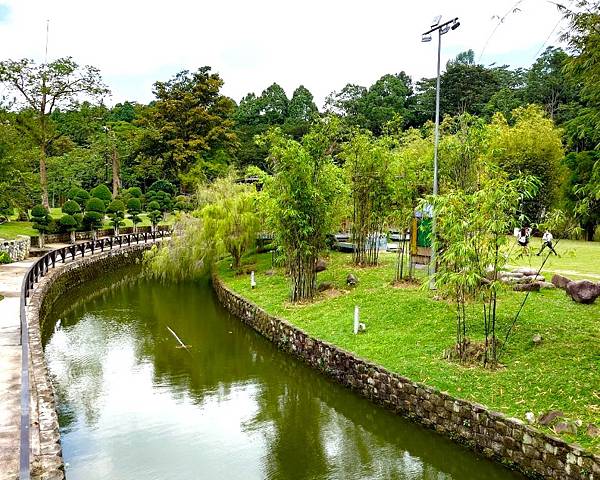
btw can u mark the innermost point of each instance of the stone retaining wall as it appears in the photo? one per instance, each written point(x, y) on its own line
point(17, 249)
point(507, 440)
point(47, 462)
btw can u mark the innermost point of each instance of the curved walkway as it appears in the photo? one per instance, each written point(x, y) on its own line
point(11, 278)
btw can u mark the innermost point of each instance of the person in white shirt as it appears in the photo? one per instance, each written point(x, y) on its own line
point(547, 242)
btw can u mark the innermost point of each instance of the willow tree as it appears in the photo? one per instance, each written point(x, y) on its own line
point(368, 164)
point(304, 203)
point(226, 222)
point(40, 90)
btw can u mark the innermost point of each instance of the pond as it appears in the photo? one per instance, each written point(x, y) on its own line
point(133, 404)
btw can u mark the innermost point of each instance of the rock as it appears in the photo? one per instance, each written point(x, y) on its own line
point(321, 265)
point(549, 417)
point(530, 417)
point(583, 291)
point(351, 280)
point(324, 286)
point(526, 271)
point(527, 287)
point(564, 427)
point(559, 281)
point(537, 339)
point(531, 279)
point(270, 273)
point(593, 430)
point(546, 285)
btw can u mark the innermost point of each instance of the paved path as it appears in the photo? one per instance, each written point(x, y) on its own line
point(11, 276)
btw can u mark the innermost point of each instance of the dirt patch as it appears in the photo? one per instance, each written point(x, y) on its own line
point(406, 283)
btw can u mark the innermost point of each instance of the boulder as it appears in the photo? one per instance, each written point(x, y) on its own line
point(324, 286)
point(546, 285)
point(351, 280)
point(530, 417)
point(526, 271)
point(321, 265)
point(559, 281)
point(564, 427)
point(527, 287)
point(593, 430)
point(583, 291)
point(549, 417)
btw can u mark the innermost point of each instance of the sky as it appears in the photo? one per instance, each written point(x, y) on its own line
point(321, 44)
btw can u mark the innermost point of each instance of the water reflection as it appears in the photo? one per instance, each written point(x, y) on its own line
point(133, 405)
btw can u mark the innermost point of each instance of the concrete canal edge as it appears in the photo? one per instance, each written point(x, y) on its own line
point(46, 451)
point(504, 439)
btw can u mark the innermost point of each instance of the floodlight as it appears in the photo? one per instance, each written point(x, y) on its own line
point(436, 21)
point(445, 29)
point(456, 24)
point(426, 38)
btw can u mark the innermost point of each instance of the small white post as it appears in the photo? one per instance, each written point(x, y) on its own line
point(356, 319)
point(252, 281)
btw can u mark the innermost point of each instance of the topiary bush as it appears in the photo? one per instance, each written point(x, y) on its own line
point(71, 207)
point(163, 186)
point(79, 195)
point(103, 193)
point(41, 221)
point(94, 214)
point(154, 213)
point(116, 212)
point(134, 207)
point(69, 224)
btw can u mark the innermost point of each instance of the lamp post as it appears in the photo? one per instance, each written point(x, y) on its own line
point(426, 37)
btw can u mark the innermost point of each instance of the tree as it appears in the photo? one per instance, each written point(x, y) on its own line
point(154, 214)
point(134, 207)
point(583, 40)
point(582, 189)
point(368, 165)
point(471, 231)
point(301, 111)
point(188, 120)
point(533, 147)
point(274, 105)
point(70, 208)
point(116, 212)
point(43, 88)
point(41, 221)
point(304, 203)
point(94, 214)
point(103, 193)
point(79, 195)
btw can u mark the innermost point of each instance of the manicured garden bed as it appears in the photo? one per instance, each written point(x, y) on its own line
point(408, 331)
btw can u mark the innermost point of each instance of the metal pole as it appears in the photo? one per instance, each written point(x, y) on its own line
point(435, 162)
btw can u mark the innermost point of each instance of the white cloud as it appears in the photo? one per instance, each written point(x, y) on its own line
point(321, 44)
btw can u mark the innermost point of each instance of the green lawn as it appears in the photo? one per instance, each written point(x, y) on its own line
point(576, 259)
point(408, 331)
point(9, 230)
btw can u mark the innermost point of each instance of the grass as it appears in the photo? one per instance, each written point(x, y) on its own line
point(10, 230)
point(576, 259)
point(408, 331)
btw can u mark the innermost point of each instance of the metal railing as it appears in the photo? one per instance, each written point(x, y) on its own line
point(33, 275)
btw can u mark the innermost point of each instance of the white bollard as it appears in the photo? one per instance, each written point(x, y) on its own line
point(252, 281)
point(356, 319)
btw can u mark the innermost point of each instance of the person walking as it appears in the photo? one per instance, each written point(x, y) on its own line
point(547, 242)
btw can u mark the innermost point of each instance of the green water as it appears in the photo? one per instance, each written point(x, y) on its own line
point(134, 406)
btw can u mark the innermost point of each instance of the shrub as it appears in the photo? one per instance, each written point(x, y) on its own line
point(94, 213)
point(134, 207)
point(103, 193)
point(71, 207)
point(116, 211)
point(78, 195)
point(162, 186)
point(41, 221)
point(5, 258)
point(135, 192)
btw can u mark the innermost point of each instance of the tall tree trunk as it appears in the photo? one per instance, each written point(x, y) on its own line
point(44, 177)
point(116, 172)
